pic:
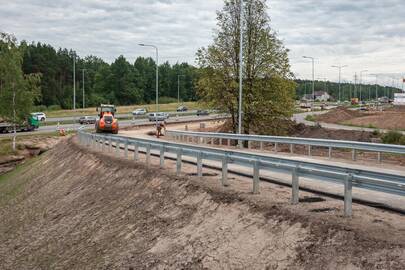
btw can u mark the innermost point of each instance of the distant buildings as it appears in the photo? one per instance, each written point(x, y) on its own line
point(399, 99)
point(321, 96)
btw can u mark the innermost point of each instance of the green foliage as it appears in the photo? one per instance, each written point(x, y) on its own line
point(268, 88)
point(167, 100)
point(120, 83)
point(392, 137)
point(18, 91)
point(310, 117)
point(54, 108)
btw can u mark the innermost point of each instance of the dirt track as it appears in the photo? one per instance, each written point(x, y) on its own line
point(77, 210)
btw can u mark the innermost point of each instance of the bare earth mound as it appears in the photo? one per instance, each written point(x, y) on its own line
point(383, 120)
point(338, 115)
point(72, 209)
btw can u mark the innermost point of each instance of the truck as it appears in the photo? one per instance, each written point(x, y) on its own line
point(30, 124)
point(106, 121)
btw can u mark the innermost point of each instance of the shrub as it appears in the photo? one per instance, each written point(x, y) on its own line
point(39, 108)
point(376, 132)
point(392, 137)
point(54, 108)
point(402, 140)
point(166, 100)
point(310, 117)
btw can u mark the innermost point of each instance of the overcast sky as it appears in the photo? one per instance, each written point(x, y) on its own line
point(363, 34)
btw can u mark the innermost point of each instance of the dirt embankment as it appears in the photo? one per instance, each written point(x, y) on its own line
point(77, 210)
point(390, 119)
point(26, 148)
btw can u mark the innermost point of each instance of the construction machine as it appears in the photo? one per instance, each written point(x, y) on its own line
point(106, 121)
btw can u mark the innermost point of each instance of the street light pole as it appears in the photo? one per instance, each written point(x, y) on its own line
point(157, 76)
point(240, 67)
point(313, 78)
point(178, 88)
point(340, 72)
point(84, 100)
point(74, 89)
point(361, 80)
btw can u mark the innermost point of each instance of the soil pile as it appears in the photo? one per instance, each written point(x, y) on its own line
point(384, 120)
point(78, 210)
point(338, 115)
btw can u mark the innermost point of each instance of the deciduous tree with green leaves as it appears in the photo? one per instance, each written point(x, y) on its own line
point(17, 91)
point(268, 88)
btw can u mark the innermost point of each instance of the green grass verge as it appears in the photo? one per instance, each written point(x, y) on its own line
point(124, 109)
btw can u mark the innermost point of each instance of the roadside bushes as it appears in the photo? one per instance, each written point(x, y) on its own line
point(393, 137)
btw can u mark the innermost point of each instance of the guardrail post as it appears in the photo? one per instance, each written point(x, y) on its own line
point(126, 149)
point(291, 148)
point(295, 186)
point(309, 150)
point(348, 195)
point(249, 145)
point(261, 146)
point(117, 147)
point(229, 142)
point(224, 178)
point(147, 155)
point(199, 164)
point(354, 154)
point(330, 153)
point(256, 177)
point(178, 162)
point(275, 147)
point(136, 151)
point(198, 140)
point(162, 156)
point(379, 157)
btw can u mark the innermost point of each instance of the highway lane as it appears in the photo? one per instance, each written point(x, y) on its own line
point(118, 115)
point(122, 124)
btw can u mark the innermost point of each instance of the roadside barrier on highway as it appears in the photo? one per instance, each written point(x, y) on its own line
point(359, 178)
point(208, 137)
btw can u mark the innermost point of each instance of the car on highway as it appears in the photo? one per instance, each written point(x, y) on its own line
point(40, 116)
point(160, 116)
point(202, 112)
point(84, 120)
point(182, 108)
point(140, 111)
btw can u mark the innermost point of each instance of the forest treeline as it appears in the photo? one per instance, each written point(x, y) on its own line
point(120, 83)
point(124, 83)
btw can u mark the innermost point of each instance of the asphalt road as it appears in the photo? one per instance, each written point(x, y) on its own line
point(118, 115)
point(122, 124)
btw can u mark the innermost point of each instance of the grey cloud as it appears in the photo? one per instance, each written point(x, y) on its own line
point(362, 33)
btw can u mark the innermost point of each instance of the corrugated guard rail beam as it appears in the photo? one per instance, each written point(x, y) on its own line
point(206, 137)
point(377, 181)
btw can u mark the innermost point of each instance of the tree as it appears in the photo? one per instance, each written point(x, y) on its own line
point(268, 89)
point(17, 91)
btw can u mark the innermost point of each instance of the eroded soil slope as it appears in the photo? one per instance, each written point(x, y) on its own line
point(72, 209)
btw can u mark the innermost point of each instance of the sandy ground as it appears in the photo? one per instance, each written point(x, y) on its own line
point(79, 209)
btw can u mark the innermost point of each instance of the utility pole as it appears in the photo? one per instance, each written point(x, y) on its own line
point(74, 90)
point(84, 100)
point(157, 76)
point(361, 80)
point(340, 71)
point(240, 68)
point(313, 78)
point(178, 88)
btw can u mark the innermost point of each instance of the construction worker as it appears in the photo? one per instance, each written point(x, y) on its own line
point(158, 129)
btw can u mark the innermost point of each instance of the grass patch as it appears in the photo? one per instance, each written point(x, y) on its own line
point(122, 109)
point(12, 182)
point(310, 117)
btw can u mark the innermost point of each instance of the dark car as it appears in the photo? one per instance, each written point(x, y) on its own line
point(87, 120)
point(202, 112)
point(182, 109)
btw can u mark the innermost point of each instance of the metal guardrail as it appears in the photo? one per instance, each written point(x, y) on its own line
point(378, 181)
point(205, 137)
